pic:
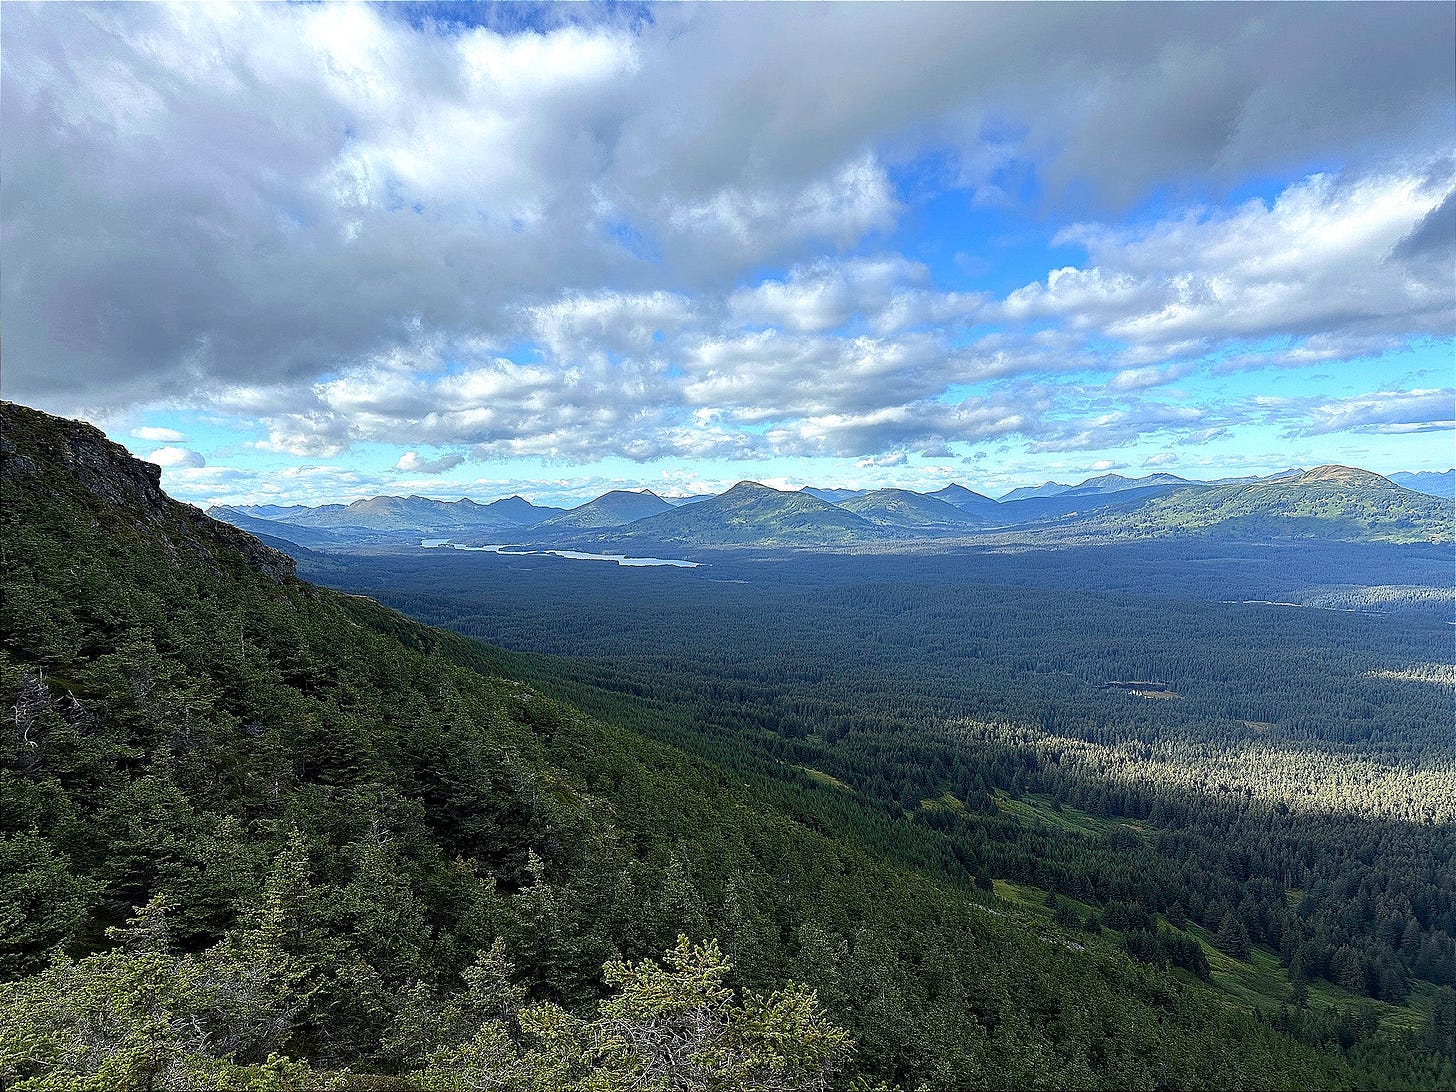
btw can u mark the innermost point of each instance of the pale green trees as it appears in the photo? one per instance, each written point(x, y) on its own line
point(666, 1027)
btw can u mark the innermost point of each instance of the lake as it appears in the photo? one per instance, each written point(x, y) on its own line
point(572, 555)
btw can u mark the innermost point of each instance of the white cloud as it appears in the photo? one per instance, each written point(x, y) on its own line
point(552, 243)
point(1119, 427)
point(741, 223)
point(1138, 379)
point(413, 462)
point(889, 458)
point(771, 376)
point(582, 324)
point(1318, 261)
point(1383, 412)
point(176, 458)
point(826, 295)
point(158, 435)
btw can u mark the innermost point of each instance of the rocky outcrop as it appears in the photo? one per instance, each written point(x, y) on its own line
point(41, 452)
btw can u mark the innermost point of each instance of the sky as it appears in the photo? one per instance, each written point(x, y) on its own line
point(308, 253)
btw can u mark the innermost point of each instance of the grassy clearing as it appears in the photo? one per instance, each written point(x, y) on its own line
point(946, 801)
point(1040, 809)
point(1262, 982)
point(826, 779)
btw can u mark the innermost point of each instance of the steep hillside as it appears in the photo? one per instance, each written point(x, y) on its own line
point(1336, 502)
point(254, 833)
point(754, 514)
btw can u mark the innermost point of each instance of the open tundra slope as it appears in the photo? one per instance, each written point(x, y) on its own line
point(255, 832)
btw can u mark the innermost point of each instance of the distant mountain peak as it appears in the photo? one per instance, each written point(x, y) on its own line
point(1045, 489)
point(745, 488)
point(615, 508)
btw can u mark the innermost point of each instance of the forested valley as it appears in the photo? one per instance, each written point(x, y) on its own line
point(1151, 743)
point(804, 823)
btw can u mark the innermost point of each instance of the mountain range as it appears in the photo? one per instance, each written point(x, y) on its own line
point(1332, 502)
point(1429, 481)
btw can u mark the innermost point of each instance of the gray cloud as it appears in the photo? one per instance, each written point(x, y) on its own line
point(1114, 429)
point(1434, 237)
point(1118, 97)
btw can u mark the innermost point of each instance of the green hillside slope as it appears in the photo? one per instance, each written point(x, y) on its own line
point(1327, 502)
point(255, 833)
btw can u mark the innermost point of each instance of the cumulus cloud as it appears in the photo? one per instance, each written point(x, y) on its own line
point(769, 376)
point(1313, 350)
point(581, 324)
point(326, 177)
point(176, 458)
point(198, 197)
point(413, 462)
point(1319, 260)
point(1120, 99)
point(913, 425)
point(826, 295)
